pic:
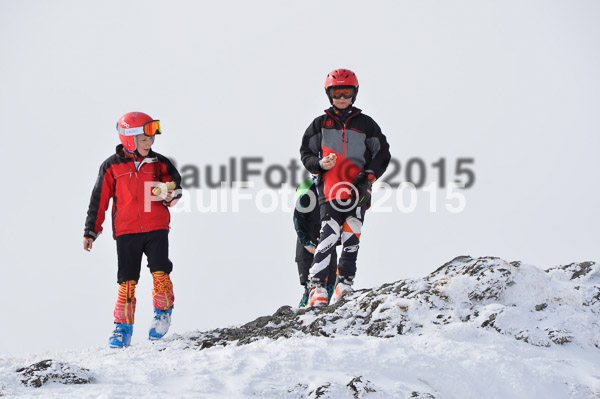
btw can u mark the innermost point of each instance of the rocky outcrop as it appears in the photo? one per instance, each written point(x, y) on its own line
point(542, 308)
point(48, 370)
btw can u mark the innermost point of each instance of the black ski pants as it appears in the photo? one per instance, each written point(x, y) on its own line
point(304, 260)
point(131, 247)
point(338, 223)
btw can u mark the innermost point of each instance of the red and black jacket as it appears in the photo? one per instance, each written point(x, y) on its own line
point(131, 189)
point(358, 144)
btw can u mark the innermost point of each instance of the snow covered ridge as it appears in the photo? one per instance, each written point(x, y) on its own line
point(474, 328)
point(542, 308)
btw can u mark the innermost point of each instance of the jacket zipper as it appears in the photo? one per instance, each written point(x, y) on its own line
point(136, 199)
point(344, 141)
point(136, 191)
point(343, 128)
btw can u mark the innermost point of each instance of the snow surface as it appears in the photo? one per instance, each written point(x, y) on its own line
point(474, 328)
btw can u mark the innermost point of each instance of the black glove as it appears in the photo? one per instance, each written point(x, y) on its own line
point(362, 188)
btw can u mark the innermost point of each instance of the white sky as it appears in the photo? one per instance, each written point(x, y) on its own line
point(514, 86)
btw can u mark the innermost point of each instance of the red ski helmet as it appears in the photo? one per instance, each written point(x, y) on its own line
point(341, 78)
point(132, 124)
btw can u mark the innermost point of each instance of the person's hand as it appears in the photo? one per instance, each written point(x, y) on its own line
point(165, 190)
point(87, 244)
point(329, 161)
point(362, 186)
point(311, 249)
point(169, 196)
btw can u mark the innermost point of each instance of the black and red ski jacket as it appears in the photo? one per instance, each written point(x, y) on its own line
point(358, 144)
point(130, 189)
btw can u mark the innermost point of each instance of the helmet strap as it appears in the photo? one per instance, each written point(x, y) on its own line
point(127, 152)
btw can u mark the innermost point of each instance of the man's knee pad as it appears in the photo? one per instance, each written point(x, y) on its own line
point(351, 230)
point(351, 235)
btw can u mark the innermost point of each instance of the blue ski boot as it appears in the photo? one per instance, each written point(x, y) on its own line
point(160, 324)
point(121, 336)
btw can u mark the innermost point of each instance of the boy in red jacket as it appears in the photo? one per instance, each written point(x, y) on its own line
point(142, 185)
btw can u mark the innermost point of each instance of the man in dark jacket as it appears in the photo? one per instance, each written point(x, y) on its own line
point(347, 149)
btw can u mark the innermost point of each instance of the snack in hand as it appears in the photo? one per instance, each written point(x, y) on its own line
point(163, 188)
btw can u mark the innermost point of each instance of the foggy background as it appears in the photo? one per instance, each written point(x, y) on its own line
point(512, 85)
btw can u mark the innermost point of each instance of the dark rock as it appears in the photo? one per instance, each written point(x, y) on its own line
point(320, 391)
point(490, 321)
point(47, 370)
point(559, 337)
point(299, 389)
point(577, 270)
point(258, 323)
point(421, 395)
point(360, 388)
point(583, 269)
point(541, 307)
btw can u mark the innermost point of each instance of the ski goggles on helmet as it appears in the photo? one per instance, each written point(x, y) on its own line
point(149, 129)
point(345, 92)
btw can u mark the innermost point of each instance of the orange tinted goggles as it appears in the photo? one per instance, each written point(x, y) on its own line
point(347, 92)
point(149, 129)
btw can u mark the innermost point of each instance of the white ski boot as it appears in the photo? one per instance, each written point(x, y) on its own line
point(160, 324)
point(342, 287)
point(318, 295)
